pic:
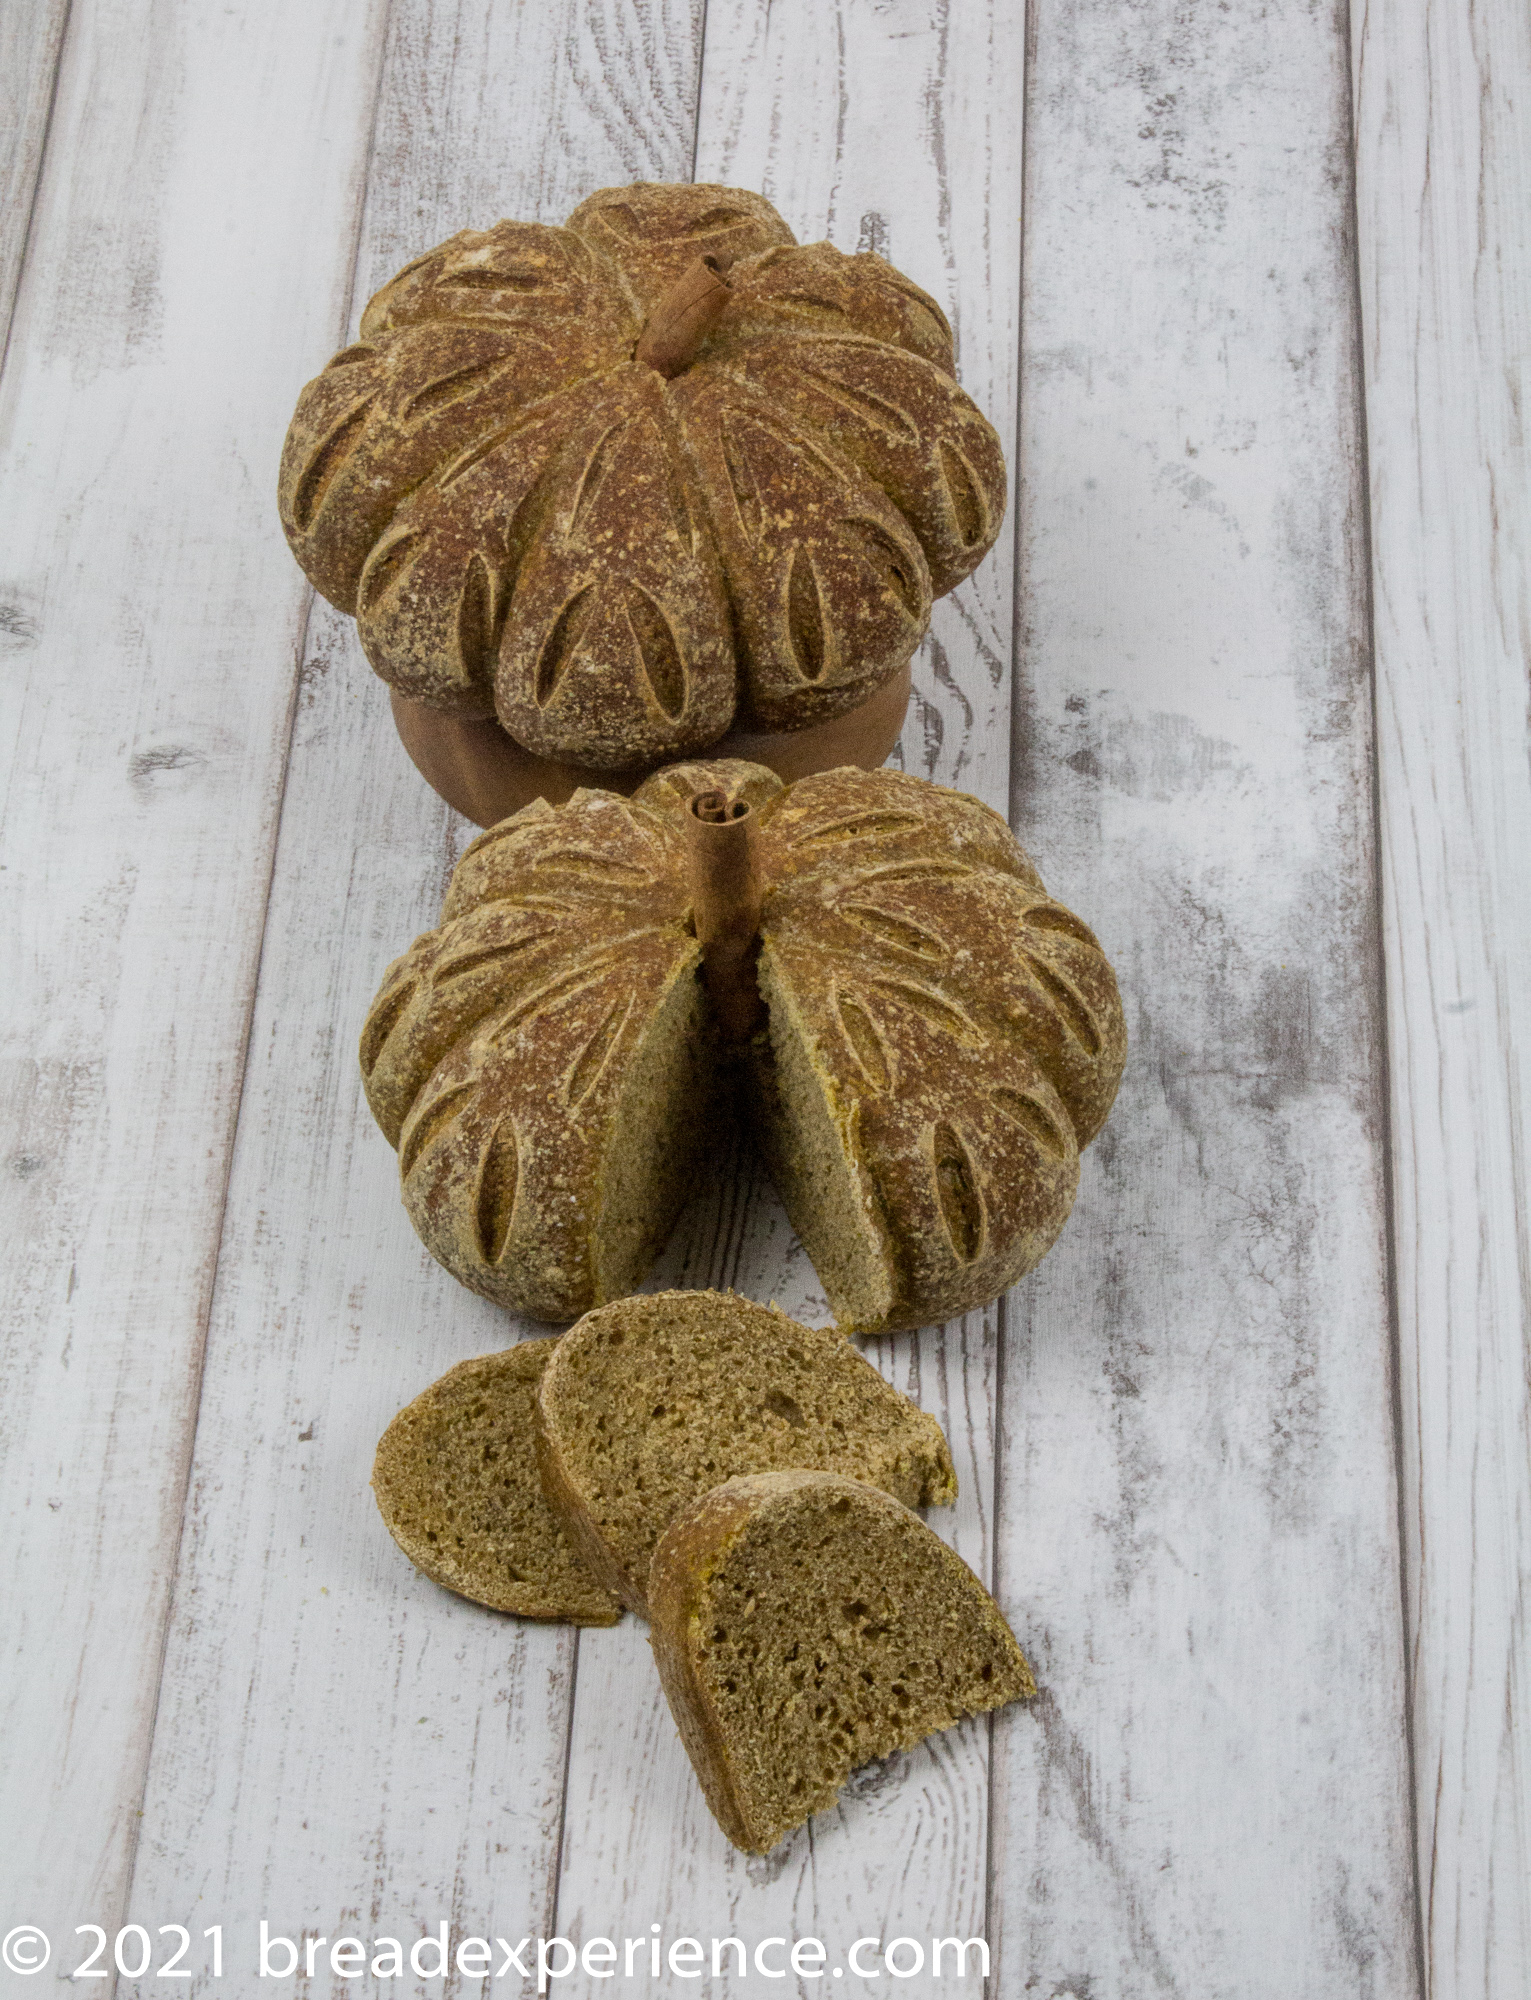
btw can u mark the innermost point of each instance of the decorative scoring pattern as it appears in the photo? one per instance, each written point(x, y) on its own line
point(529, 523)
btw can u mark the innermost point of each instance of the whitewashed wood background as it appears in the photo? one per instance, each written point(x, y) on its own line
point(1248, 1460)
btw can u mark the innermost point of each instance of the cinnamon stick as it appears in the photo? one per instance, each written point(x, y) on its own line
point(726, 897)
point(683, 318)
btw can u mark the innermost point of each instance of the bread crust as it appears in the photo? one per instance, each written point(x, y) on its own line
point(529, 523)
point(952, 1033)
point(963, 1027)
point(696, 1546)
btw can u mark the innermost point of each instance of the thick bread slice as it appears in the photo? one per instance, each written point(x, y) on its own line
point(650, 1402)
point(456, 1483)
point(805, 1624)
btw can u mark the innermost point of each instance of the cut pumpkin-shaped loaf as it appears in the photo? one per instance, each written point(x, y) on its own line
point(927, 1039)
point(805, 1624)
point(457, 1485)
point(650, 1402)
point(623, 482)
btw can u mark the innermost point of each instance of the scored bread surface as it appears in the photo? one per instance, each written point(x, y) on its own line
point(805, 1624)
point(943, 1038)
point(650, 1402)
point(529, 522)
point(457, 1485)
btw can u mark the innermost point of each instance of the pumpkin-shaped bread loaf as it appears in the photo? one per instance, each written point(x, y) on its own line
point(926, 1039)
point(625, 482)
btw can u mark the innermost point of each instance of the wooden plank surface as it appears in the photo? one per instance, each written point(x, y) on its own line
point(1193, 1527)
point(152, 633)
point(1199, 1516)
point(342, 1746)
point(892, 128)
point(31, 40)
point(1444, 203)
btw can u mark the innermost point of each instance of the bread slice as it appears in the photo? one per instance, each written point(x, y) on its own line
point(805, 1624)
point(456, 1483)
point(650, 1402)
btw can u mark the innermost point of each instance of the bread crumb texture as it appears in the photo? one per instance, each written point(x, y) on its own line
point(805, 1624)
point(457, 1484)
point(943, 1038)
point(649, 1403)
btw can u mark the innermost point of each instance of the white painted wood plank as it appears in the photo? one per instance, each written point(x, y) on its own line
point(341, 1745)
point(1444, 205)
point(201, 174)
point(31, 37)
point(895, 128)
point(1199, 1524)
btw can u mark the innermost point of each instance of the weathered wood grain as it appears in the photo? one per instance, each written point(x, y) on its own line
point(151, 629)
point(1193, 1522)
point(1199, 1516)
point(340, 1744)
point(1444, 204)
point(31, 39)
point(895, 128)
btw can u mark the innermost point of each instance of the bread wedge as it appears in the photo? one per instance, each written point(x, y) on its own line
point(805, 1624)
point(456, 1482)
point(651, 1401)
point(938, 1038)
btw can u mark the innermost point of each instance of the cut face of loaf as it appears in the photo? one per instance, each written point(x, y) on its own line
point(652, 1401)
point(942, 1039)
point(805, 1624)
point(457, 1485)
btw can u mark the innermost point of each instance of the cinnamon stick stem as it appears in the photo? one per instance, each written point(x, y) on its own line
point(673, 335)
point(726, 897)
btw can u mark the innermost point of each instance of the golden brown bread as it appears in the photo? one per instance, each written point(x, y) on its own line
point(555, 486)
point(942, 1040)
point(457, 1485)
point(804, 1624)
point(650, 1402)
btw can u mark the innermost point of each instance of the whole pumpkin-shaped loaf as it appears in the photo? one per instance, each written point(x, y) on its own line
point(624, 483)
point(925, 1039)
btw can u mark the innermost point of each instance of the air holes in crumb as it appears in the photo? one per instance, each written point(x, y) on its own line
point(783, 1406)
